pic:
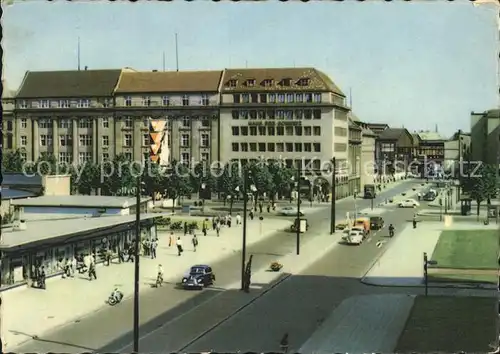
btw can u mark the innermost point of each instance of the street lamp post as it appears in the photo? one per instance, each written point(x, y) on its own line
point(244, 241)
point(332, 212)
point(427, 262)
point(298, 210)
point(202, 187)
point(139, 187)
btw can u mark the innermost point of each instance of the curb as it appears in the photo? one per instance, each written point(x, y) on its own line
point(241, 308)
point(432, 285)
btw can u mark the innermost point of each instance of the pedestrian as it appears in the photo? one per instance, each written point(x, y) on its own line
point(204, 230)
point(131, 254)
point(238, 219)
point(67, 267)
point(260, 207)
point(217, 229)
point(284, 343)
point(72, 266)
point(251, 215)
point(146, 246)
point(214, 223)
point(419, 195)
point(274, 206)
point(41, 278)
point(269, 207)
point(229, 221)
point(154, 246)
point(185, 228)
point(92, 272)
point(414, 221)
point(121, 255)
point(170, 239)
point(179, 246)
point(108, 257)
point(194, 241)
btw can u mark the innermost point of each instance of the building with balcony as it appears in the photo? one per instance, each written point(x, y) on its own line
point(297, 115)
point(485, 136)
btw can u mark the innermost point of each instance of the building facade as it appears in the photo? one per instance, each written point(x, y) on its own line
point(429, 155)
point(393, 150)
point(187, 103)
point(8, 124)
point(368, 164)
point(296, 115)
point(455, 150)
point(485, 136)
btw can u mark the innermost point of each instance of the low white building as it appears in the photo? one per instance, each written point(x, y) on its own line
point(75, 206)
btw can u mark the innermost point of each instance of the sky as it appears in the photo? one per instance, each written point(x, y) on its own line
point(411, 65)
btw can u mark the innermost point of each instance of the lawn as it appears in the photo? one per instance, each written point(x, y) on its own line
point(463, 278)
point(449, 324)
point(467, 249)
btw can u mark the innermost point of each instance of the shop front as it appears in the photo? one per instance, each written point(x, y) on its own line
point(20, 261)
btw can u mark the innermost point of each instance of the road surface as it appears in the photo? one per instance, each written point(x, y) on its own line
point(109, 330)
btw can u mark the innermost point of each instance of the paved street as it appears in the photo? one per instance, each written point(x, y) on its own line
point(166, 304)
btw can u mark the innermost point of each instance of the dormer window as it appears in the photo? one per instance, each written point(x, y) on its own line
point(232, 83)
point(251, 82)
point(304, 82)
point(267, 83)
point(286, 82)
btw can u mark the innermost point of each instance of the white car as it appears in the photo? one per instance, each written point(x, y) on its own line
point(352, 237)
point(409, 203)
point(289, 211)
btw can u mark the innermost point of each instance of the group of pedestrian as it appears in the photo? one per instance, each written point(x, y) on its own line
point(149, 247)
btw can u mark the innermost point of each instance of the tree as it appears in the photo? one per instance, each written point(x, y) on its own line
point(47, 164)
point(281, 177)
point(153, 177)
point(229, 181)
point(117, 177)
point(86, 178)
point(482, 184)
point(177, 183)
point(260, 176)
point(12, 161)
point(201, 175)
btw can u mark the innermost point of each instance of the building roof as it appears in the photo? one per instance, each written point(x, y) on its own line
point(8, 193)
point(169, 81)
point(353, 125)
point(391, 133)
point(72, 83)
point(492, 113)
point(430, 136)
point(318, 81)
point(39, 231)
point(20, 179)
point(79, 201)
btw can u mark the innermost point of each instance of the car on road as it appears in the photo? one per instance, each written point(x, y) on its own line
point(408, 203)
point(376, 222)
point(198, 277)
point(293, 227)
point(353, 237)
point(430, 196)
point(289, 211)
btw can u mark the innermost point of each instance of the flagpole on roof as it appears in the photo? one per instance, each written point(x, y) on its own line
point(176, 54)
point(78, 53)
point(163, 61)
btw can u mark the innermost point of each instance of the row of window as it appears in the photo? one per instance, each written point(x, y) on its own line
point(286, 82)
point(277, 131)
point(276, 147)
point(167, 101)
point(277, 98)
point(87, 123)
point(314, 164)
point(81, 103)
point(277, 114)
point(86, 140)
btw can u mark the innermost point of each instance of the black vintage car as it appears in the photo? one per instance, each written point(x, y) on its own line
point(376, 222)
point(198, 277)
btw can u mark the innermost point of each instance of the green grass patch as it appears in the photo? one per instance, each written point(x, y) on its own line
point(463, 278)
point(449, 324)
point(467, 249)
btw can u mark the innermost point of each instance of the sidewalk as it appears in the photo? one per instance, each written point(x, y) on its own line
point(401, 264)
point(33, 312)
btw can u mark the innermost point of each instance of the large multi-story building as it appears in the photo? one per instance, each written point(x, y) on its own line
point(485, 136)
point(393, 150)
point(7, 117)
point(296, 114)
point(429, 152)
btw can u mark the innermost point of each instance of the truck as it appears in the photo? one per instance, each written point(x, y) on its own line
point(370, 191)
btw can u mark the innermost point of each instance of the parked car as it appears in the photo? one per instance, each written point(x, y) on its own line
point(376, 222)
point(409, 203)
point(198, 277)
point(289, 211)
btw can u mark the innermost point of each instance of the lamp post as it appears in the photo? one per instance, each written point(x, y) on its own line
point(332, 212)
point(139, 188)
point(427, 262)
point(298, 210)
point(244, 241)
point(202, 190)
